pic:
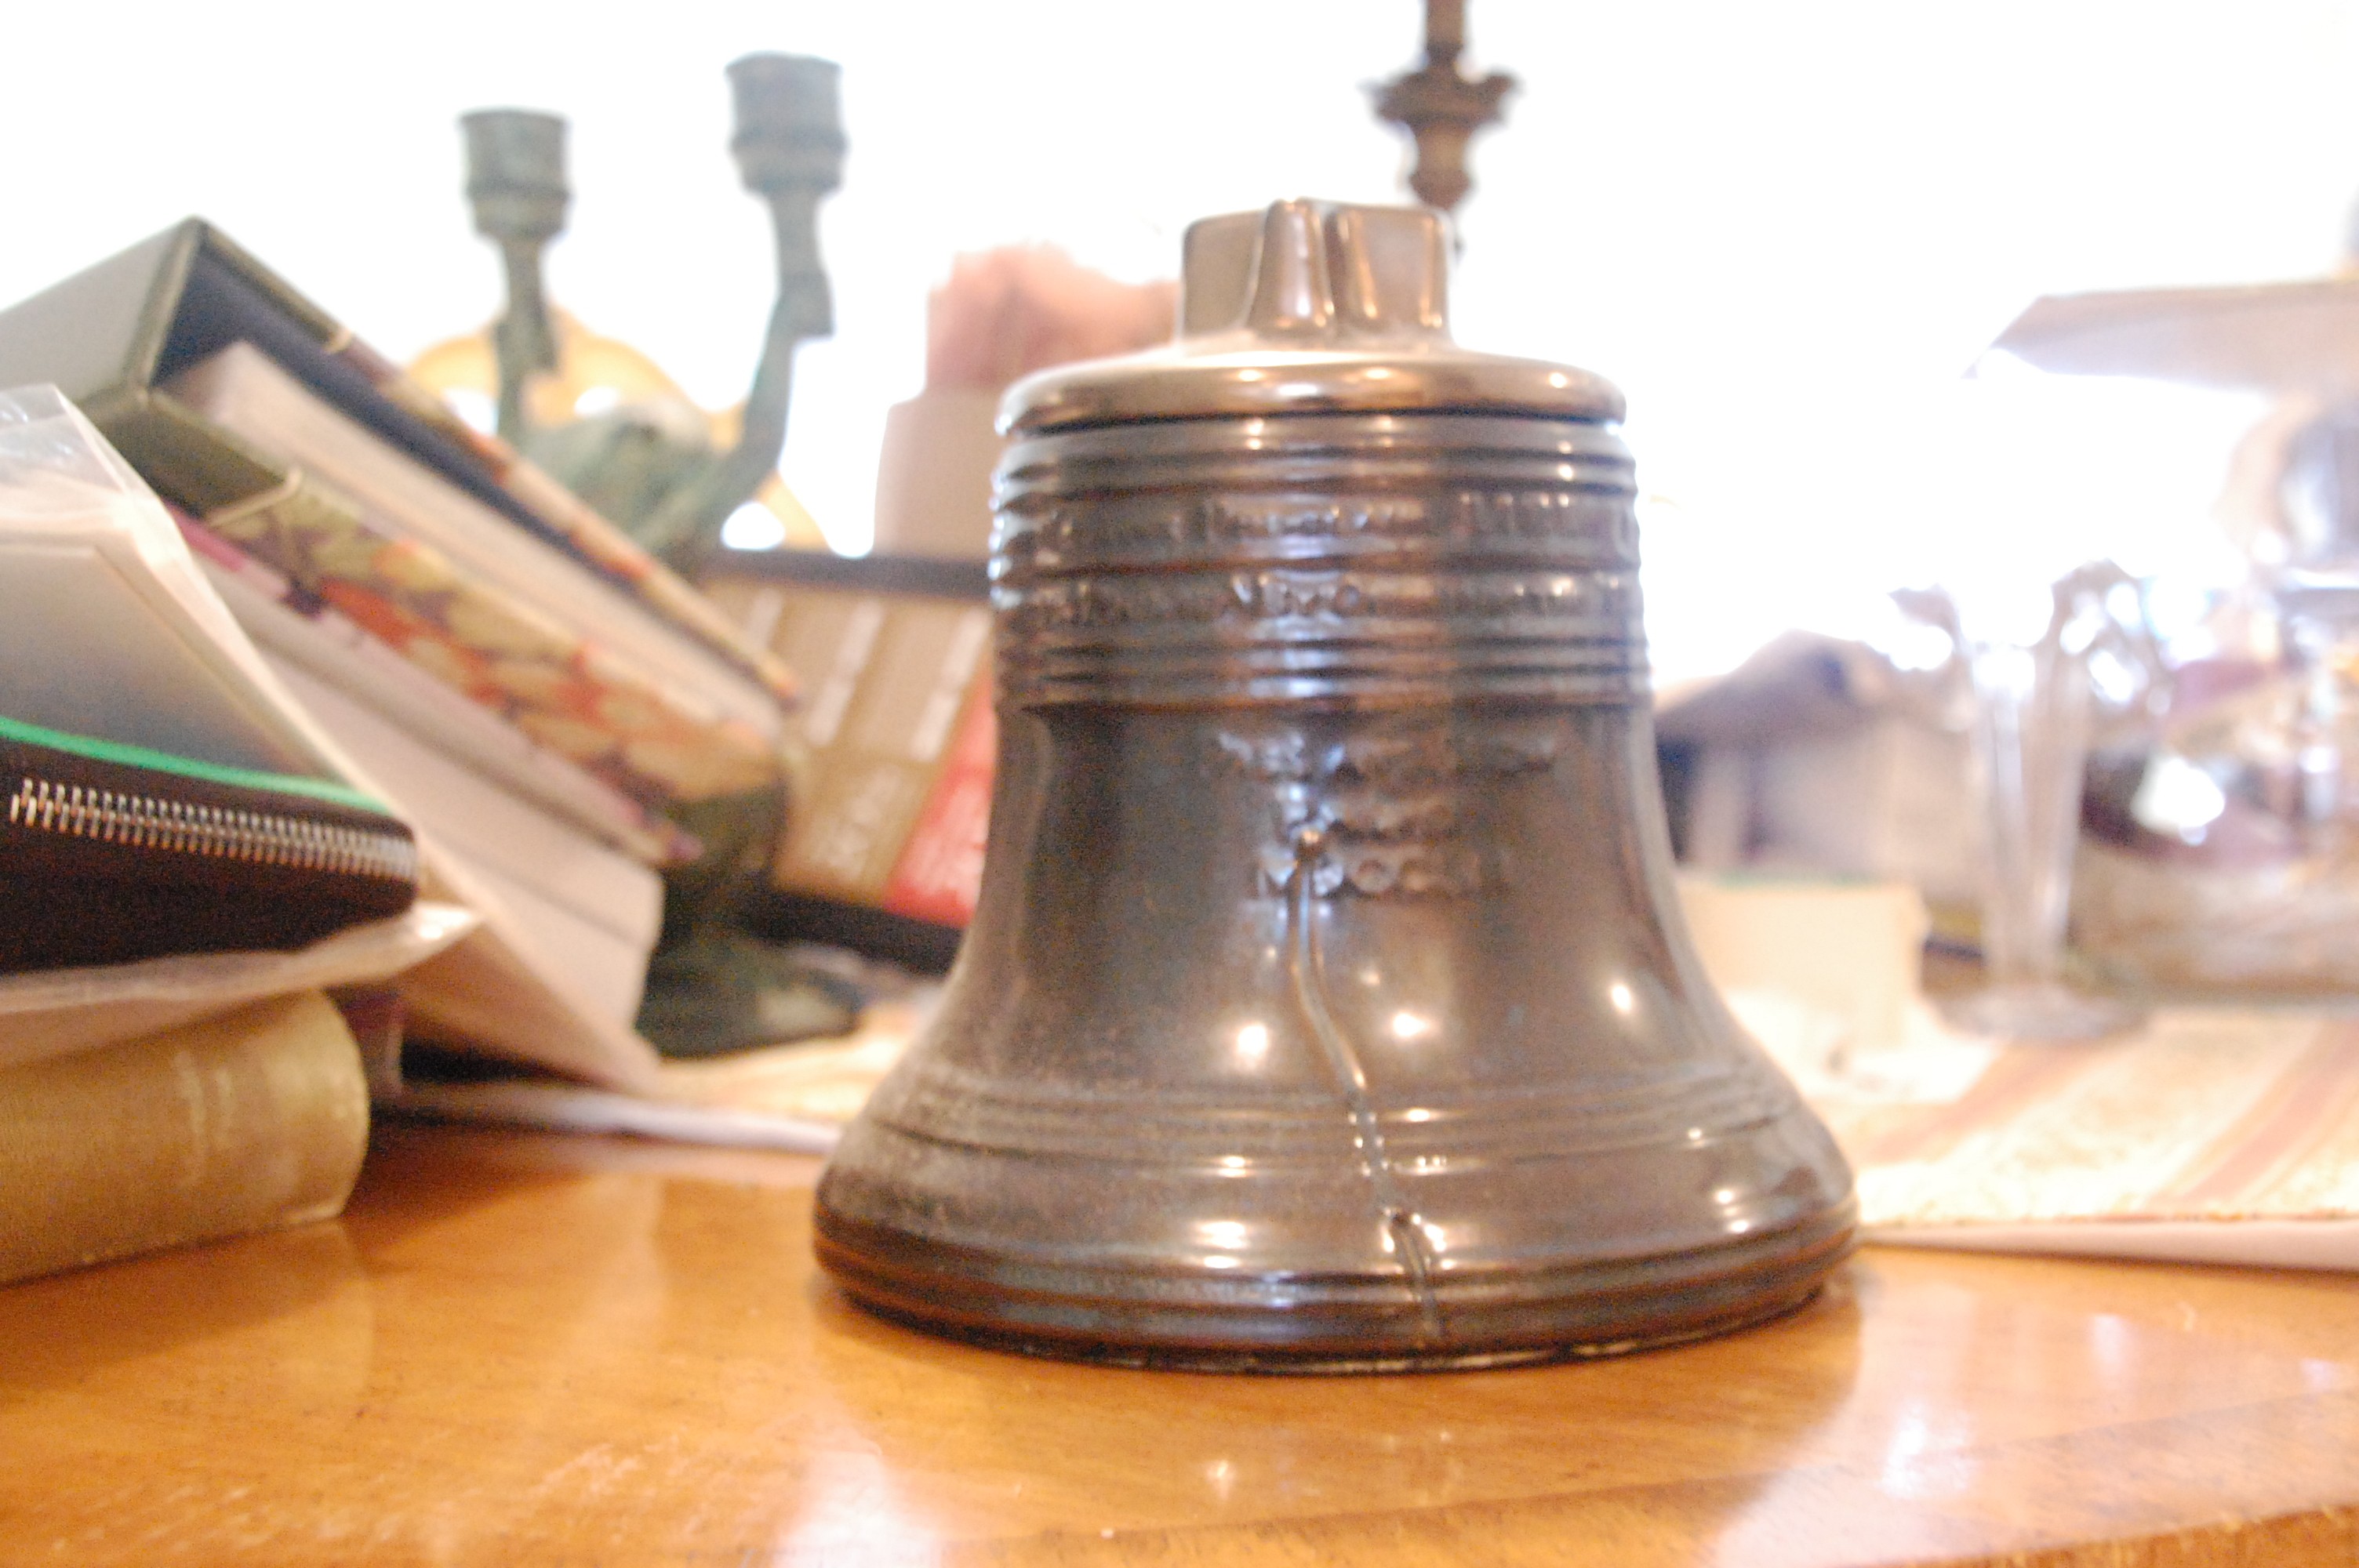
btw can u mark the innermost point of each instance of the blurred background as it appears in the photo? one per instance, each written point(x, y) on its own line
point(1784, 230)
point(1993, 378)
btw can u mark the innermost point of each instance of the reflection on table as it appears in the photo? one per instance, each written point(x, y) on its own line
point(597, 1351)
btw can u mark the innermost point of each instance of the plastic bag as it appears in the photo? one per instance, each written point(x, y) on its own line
point(110, 634)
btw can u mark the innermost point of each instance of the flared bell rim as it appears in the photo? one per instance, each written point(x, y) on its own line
point(1180, 1318)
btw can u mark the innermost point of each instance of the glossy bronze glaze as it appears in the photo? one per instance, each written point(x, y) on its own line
point(1329, 1004)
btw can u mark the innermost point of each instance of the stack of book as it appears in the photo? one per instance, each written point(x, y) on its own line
point(885, 850)
point(187, 869)
point(526, 686)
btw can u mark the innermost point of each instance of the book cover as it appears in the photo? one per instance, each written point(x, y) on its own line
point(248, 1120)
point(110, 334)
point(898, 724)
point(303, 630)
point(506, 622)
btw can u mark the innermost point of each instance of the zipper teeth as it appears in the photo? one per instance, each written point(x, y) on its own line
point(257, 837)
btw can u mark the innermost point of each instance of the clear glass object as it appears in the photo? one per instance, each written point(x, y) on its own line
point(2043, 485)
point(2032, 710)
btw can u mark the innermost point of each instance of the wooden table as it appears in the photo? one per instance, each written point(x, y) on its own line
point(586, 1352)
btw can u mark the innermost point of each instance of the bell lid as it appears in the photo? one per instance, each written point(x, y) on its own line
point(1308, 307)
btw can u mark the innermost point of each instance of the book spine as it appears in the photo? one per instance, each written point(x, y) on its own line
point(938, 875)
point(249, 1120)
point(897, 797)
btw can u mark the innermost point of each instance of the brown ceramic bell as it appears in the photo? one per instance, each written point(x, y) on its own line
point(1329, 1004)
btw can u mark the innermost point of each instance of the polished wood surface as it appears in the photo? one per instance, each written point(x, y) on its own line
point(589, 1352)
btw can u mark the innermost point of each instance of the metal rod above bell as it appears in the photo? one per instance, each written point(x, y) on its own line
point(1329, 1005)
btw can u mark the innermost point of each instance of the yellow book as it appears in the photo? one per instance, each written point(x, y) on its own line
point(248, 1120)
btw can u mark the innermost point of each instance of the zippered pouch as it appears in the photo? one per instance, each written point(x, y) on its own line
point(110, 852)
point(158, 795)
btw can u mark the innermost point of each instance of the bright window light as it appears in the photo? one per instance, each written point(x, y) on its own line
point(753, 527)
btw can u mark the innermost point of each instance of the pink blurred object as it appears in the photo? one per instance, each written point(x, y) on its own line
point(1004, 314)
point(999, 316)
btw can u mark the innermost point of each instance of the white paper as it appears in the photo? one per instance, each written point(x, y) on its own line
point(53, 1011)
point(568, 1108)
point(2259, 1243)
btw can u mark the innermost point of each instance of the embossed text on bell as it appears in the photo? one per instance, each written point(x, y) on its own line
point(1327, 1005)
